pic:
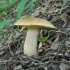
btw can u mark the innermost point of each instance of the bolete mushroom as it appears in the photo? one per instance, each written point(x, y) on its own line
point(34, 25)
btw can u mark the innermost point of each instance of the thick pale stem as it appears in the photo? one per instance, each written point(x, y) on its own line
point(30, 46)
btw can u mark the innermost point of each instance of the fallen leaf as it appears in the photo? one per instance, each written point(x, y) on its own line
point(36, 13)
point(64, 66)
point(22, 29)
point(63, 18)
point(56, 10)
point(2, 52)
point(55, 44)
point(40, 45)
point(67, 43)
point(9, 40)
point(40, 50)
point(19, 67)
point(46, 46)
point(66, 53)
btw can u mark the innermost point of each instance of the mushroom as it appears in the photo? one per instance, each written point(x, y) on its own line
point(34, 25)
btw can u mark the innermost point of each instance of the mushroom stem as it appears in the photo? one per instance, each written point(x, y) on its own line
point(30, 46)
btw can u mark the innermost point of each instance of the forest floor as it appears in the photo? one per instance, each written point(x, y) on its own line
point(54, 53)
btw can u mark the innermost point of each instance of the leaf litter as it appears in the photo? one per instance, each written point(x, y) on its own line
point(54, 53)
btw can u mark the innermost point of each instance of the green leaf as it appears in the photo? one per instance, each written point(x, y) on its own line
point(5, 22)
point(0, 36)
point(65, 1)
point(5, 3)
point(30, 5)
point(42, 39)
point(20, 8)
point(24, 16)
point(4, 13)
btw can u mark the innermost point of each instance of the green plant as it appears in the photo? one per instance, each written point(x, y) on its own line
point(20, 8)
point(4, 13)
point(42, 39)
point(65, 1)
point(6, 3)
point(5, 32)
point(30, 5)
point(5, 22)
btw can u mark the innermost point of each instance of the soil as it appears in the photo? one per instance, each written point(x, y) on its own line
point(54, 53)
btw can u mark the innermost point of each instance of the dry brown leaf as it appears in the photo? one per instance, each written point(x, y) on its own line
point(40, 49)
point(63, 18)
point(23, 28)
point(46, 46)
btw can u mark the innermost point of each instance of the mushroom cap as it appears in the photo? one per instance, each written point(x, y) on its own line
point(30, 22)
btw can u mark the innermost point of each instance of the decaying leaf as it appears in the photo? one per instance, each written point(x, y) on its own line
point(46, 46)
point(63, 18)
point(67, 43)
point(36, 13)
point(45, 7)
point(64, 66)
point(40, 49)
point(57, 10)
point(2, 52)
point(55, 44)
point(9, 39)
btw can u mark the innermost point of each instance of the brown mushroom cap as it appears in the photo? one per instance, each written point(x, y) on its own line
point(35, 23)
